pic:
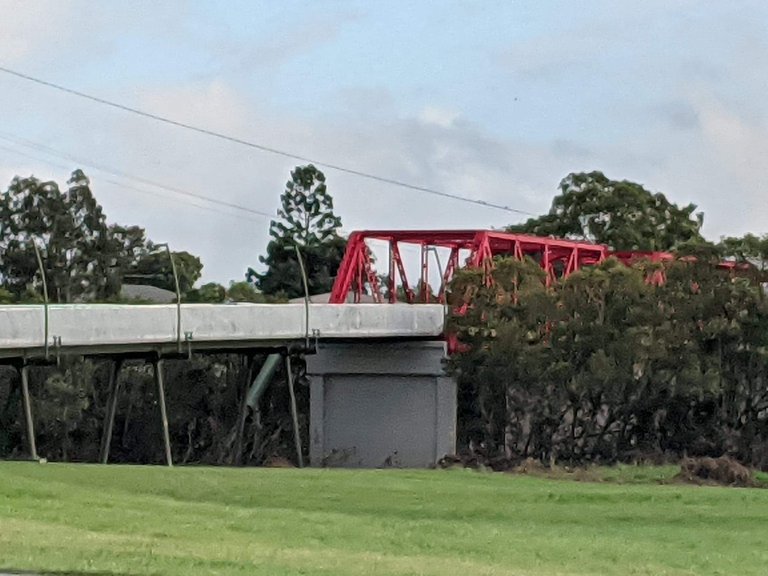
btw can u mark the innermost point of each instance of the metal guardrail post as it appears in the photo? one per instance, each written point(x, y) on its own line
point(306, 294)
point(178, 296)
point(45, 294)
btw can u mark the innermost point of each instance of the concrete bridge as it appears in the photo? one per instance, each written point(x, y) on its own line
point(378, 395)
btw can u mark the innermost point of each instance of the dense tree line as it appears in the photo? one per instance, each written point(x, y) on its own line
point(83, 257)
point(605, 365)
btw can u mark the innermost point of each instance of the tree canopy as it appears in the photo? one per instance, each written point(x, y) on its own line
point(153, 267)
point(603, 366)
point(84, 258)
point(621, 214)
point(69, 229)
point(305, 220)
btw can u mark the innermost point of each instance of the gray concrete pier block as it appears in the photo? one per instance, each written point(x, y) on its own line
point(380, 405)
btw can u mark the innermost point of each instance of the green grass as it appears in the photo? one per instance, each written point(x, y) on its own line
point(152, 520)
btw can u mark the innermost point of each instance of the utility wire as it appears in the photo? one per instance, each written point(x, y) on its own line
point(53, 152)
point(125, 186)
point(261, 147)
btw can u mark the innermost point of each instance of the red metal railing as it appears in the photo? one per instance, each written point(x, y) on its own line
point(357, 274)
point(358, 279)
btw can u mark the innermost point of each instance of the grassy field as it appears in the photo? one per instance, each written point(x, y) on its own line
point(151, 520)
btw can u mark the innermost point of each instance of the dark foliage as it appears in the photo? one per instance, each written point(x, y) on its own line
point(622, 214)
point(204, 399)
point(604, 366)
point(307, 223)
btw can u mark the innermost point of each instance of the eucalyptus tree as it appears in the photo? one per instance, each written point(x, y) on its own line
point(70, 231)
point(622, 214)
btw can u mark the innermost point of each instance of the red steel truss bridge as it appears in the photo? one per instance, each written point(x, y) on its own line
point(359, 280)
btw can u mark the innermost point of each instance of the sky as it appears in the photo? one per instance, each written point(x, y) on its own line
point(496, 101)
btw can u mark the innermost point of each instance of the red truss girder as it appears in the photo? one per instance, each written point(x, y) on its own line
point(356, 276)
point(658, 276)
point(558, 258)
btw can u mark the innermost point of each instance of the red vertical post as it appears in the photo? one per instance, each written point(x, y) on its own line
point(345, 274)
point(409, 295)
point(360, 274)
point(453, 262)
point(373, 280)
point(573, 262)
point(392, 273)
point(424, 273)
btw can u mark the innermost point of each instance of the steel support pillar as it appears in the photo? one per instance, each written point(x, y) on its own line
point(114, 391)
point(27, 401)
point(238, 459)
point(294, 412)
point(158, 369)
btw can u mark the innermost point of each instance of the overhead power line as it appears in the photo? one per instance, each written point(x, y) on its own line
point(125, 186)
point(106, 169)
point(262, 147)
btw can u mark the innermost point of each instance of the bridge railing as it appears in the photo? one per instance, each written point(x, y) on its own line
point(359, 279)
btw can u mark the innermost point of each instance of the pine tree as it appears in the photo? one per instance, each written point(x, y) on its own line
point(307, 221)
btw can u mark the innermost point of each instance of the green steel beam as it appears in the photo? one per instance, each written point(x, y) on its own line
point(262, 380)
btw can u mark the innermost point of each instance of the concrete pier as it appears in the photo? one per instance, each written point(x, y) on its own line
point(380, 405)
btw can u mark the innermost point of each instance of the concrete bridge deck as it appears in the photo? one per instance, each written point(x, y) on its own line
point(93, 329)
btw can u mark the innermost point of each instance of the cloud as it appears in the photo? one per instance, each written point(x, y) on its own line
point(28, 28)
point(545, 57)
point(451, 154)
point(714, 161)
point(462, 160)
point(438, 116)
point(677, 114)
point(305, 35)
point(684, 118)
point(738, 146)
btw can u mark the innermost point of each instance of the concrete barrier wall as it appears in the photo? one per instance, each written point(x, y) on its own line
point(381, 405)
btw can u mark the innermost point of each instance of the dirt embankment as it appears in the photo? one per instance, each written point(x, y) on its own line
point(721, 471)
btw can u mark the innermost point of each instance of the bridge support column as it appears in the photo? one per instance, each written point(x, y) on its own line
point(27, 401)
point(243, 415)
point(294, 412)
point(158, 369)
point(380, 405)
point(114, 391)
